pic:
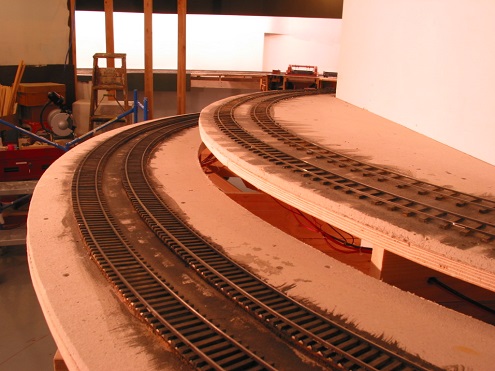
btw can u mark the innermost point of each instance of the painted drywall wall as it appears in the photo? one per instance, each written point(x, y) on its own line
point(235, 43)
point(296, 41)
point(428, 65)
point(36, 32)
point(213, 42)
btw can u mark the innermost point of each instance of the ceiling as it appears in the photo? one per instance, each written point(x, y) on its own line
point(273, 8)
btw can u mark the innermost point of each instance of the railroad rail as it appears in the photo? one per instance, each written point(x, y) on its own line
point(472, 216)
point(198, 341)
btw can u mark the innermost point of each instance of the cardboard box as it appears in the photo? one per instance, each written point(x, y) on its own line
point(36, 94)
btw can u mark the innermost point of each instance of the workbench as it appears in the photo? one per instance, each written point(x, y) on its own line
point(15, 236)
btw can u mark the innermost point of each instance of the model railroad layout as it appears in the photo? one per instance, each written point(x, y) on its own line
point(199, 341)
point(466, 218)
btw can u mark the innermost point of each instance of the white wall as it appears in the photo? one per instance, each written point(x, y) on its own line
point(428, 65)
point(235, 43)
point(313, 42)
point(36, 32)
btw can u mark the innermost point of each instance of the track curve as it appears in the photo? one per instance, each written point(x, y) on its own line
point(323, 339)
point(470, 217)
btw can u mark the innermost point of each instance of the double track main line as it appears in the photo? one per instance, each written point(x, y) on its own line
point(198, 341)
point(472, 216)
point(332, 344)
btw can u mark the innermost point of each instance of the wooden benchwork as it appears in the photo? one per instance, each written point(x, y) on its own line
point(335, 121)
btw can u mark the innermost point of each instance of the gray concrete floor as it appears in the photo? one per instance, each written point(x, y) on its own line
point(25, 340)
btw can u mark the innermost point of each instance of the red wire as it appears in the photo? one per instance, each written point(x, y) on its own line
point(315, 227)
point(312, 226)
point(208, 160)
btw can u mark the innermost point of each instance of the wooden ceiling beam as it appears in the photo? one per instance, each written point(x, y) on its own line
point(181, 57)
point(271, 8)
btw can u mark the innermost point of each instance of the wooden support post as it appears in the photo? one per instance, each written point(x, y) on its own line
point(73, 40)
point(59, 363)
point(377, 257)
point(109, 28)
point(109, 38)
point(181, 57)
point(148, 55)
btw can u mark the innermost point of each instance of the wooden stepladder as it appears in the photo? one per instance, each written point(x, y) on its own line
point(109, 95)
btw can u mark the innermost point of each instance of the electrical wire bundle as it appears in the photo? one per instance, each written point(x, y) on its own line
point(340, 243)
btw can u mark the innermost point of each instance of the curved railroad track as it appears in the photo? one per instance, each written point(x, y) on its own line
point(472, 216)
point(199, 342)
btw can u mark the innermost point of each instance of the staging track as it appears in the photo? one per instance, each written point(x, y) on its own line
point(202, 344)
